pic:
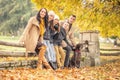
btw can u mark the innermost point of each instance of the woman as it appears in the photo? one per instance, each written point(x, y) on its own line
point(57, 40)
point(50, 53)
point(32, 37)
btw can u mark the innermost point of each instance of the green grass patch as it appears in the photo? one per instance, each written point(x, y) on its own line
point(9, 48)
point(9, 38)
point(108, 46)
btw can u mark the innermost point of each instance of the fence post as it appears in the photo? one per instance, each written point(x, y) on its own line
point(93, 58)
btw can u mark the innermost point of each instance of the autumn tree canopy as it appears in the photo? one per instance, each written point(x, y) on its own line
point(101, 15)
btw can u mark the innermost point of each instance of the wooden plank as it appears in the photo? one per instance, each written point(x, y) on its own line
point(14, 44)
point(11, 54)
point(15, 54)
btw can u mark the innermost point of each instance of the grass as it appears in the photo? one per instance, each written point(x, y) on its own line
point(9, 48)
point(9, 38)
point(108, 46)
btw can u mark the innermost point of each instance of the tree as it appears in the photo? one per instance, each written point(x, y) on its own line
point(101, 15)
point(14, 15)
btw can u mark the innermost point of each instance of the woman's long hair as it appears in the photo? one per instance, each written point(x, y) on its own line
point(51, 25)
point(45, 18)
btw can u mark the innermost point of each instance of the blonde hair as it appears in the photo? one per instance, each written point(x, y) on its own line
point(51, 13)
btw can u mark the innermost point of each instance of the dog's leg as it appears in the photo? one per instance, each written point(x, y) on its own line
point(75, 59)
point(78, 59)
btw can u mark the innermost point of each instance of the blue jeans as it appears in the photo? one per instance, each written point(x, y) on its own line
point(50, 53)
point(53, 54)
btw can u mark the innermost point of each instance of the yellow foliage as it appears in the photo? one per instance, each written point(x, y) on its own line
point(100, 16)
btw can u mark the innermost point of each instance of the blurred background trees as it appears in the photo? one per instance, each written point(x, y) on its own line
point(14, 15)
point(101, 15)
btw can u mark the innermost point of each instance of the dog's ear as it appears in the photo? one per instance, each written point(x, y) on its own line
point(86, 42)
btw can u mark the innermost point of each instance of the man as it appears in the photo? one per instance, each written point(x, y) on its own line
point(70, 20)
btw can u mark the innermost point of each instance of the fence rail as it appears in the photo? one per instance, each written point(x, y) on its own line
point(110, 49)
point(14, 44)
point(14, 53)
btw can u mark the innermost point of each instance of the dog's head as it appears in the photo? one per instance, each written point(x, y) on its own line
point(79, 46)
point(86, 42)
point(86, 46)
point(82, 46)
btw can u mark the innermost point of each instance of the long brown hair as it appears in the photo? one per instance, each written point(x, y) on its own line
point(45, 18)
point(51, 25)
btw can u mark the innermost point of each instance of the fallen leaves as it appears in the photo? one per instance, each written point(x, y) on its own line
point(105, 72)
point(109, 71)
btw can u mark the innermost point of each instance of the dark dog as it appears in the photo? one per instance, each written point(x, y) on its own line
point(75, 60)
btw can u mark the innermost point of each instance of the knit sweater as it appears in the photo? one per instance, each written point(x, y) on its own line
point(42, 28)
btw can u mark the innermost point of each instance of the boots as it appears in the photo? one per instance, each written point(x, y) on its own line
point(39, 64)
point(45, 63)
point(42, 59)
